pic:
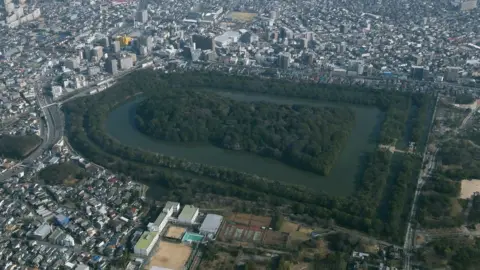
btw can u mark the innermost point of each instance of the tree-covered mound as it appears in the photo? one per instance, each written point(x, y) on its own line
point(18, 147)
point(306, 137)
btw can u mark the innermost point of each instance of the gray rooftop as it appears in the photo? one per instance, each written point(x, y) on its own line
point(212, 223)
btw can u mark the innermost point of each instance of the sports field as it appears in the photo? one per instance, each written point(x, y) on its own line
point(170, 255)
point(241, 16)
point(175, 232)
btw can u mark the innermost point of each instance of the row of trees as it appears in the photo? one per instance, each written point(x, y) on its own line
point(400, 197)
point(85, 129)
point(306, 137)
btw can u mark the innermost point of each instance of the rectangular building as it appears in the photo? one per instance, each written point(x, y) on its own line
point(142, 16)
point(146, 243)
point(210, 225)
point(159, 223)
point(188, 214)
point(468, 5)
point(126, 63)
point(203, 42)
point(451, 74)
point(72, 63)
point(42, 232)
point(116, 46)
point(111, 66)
point(173, 206)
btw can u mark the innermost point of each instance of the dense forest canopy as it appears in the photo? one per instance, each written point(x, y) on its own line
point(58, 174)
point(306, 137)
point(460, 159)
point(18, 147)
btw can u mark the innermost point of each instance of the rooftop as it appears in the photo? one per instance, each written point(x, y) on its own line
point(145, 240)
point(188, 212)
point(160, 218)
point(211, 223)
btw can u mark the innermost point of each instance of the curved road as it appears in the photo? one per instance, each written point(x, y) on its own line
point(54, 131)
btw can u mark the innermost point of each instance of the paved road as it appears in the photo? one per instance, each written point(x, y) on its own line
point(429, 160)
point(51, 135)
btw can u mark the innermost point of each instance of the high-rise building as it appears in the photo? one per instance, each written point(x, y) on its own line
point(111, 66)
point(356, 66)
point(97, 52)
point(284, 60)
point(126, 62)
point(72, 63)
point(418, 72)
point(204, 42)
point(309, 58)
point(286, 33)
point(303, 43)
point(142, 16)
point(87, 53)
point(451, 74)
point(116, 46)
point(147, 42)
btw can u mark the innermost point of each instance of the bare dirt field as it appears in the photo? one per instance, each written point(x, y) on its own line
point(170, 255)
point(469, 187)
point(242, 16)
point(289, 227)
point(250, 220)
point(273, 238)
point(175, 232)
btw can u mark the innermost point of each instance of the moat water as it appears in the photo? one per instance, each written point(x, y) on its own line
point(340, 181)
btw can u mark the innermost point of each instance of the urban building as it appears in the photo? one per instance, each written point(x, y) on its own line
point(356, 66)
point(211, 225)
point(72, 63)
point(116, 46)
point(146, 41)
point(93, 70)
point(57, 91)
point(61, 220)
point(418, 72)
point(188, 215)
point(126, 62)
point(111, 66)
point(172, 206)
point(142, 16)
point(42, 232)
point(82, 267)
point(146, 243)
point(451, 74)
point(159, 223)
point(284, 60)
point(97, 53)
point(468, 5)
point(203, 42)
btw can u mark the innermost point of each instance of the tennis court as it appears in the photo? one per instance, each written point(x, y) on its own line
point(192, 237)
